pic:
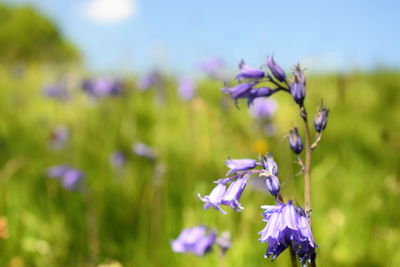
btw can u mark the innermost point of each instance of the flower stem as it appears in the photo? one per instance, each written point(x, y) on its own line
point(293, 259)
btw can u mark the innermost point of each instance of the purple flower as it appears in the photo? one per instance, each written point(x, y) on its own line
point(213, 67)
point(239, 91)
point(215, 198)
point(224, 241)
point(273, 185)
point(263, 108)
point(298, 87)
point(275, 69)
point(117, 159)
point(69, 177)
point(59, 137)
point(149, 80)
point(236, 165)
point(186, 89)
point(144, 150)
point(269, 164)
point(194, 240)
point(321, 119)
point(234, 192)
point(261, 92)
point(247, 72)
point(295, 142)
point(102, 86)
point(57, 91)
point(271, 173)
point(287, 224)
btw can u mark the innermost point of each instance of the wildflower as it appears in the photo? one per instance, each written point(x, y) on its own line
point(236, 165)
point(215, 198)
point(59, 137)
point(247, 72)
point(69, 177)
point(149, 80)
point(295, 142)
point(321, 119)
point(258, 93)
point(224, 241)
point(57, 91)
point(298, 87)
point(186, 89)
point(213, 67)
point(269, 165)
point(194, 240)
point(234, 192)
point(117, 159)
point(275, 69)
point(287, 224)
point(102, 86)
point(144, 150)
point(263, 108)
point(271, 173)
point(239, 91)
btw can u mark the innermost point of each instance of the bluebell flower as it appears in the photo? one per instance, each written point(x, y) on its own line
point(321, 119)
point(186, 89)
point(144, 150)
point(236, 165)
point(298, 87)
point(239, 91)
point(59, 137)
point(247, 72)
point(149, 80)
point(261, 92)
point(287, 224)
point(234, 192)
point(57, 91)
point(194, 240)
point(102, 86)
point(215, 198)
point(263, 108)
point(224, 241)
point(295, 142)
point(275, 69)
point(271, 173)
point(117, 159)
point(70, 178)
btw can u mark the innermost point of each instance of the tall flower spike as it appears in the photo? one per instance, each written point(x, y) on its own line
point(295, 142)
point(215, 198)
point(234, 192)
point(275, 69)
point(247, 72)
point(236, 165)
point(321, 119)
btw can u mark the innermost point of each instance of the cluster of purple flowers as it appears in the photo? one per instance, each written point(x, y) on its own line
point(199, 240)
point(102, 86)
point(70, 178)
point(241, 169)
point(287, 224)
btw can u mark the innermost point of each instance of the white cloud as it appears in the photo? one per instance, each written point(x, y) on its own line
point(109, 11)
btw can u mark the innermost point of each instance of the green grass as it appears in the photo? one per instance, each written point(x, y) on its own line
point(356, 175)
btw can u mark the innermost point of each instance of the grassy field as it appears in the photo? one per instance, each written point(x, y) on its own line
point(131, 215)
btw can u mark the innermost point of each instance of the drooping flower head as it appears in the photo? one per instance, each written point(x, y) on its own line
point(287, 224)
point(298, 87)
point(295, 142)
point(275, 69)
point(247, 72)
point(258, 93)
point(194, 240)
point(321, 119)
point(214, 200)
point(271, 174)
point(234, 192)
point(241, 90)
point(236, 165)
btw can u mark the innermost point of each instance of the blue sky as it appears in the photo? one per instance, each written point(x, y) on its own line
point(175, 35)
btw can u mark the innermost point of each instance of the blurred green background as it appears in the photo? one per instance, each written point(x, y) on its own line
point(130, 215)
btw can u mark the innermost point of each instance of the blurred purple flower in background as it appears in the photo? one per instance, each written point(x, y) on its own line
point(149, 80)
point(102, 86)
point(263, 108)
point(224, 241)
point(287, 224)
point(186, 89)
point(194, 240)
point(57, 91)
point(213, 68)
point(59, 137)
point(117, 159)
point(69, 177)
point(144, 150)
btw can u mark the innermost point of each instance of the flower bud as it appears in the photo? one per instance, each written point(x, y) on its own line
point(295, 142)
point(273, 185)
point(321, 119)
point(247, 72)
point(298, 87)
point(275, 69)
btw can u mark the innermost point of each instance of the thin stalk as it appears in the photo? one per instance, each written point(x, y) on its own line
point(293, 259)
